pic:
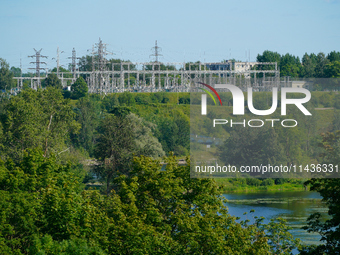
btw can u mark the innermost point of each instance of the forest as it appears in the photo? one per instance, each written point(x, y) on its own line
point(87, 173)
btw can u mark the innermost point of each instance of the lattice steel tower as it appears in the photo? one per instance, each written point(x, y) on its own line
point(101, 53)
point(37, 63)
point(156, 50)
point(74, 62)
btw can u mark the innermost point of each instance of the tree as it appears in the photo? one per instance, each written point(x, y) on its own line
point(329, 190)
point(119, 138)
point(308, 65)
point(290, 65)
point(127, 98)
point(332, 69)
point(334, 56)
point(249, 146)
point(88, 114)
point(52, 80)
point(36, 119)
point(43, 209)
point(268, 56)
point(114, 147)
point(321, 62)
point(6, 76)
point(146, 143)
point(87, 62)
point(16, 71)
point(174, 133)
point(79, 88)
point(109, 102)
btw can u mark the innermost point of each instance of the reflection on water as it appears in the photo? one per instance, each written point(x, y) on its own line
point(294, 207)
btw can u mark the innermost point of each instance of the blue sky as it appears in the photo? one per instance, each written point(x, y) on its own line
point(186, 30)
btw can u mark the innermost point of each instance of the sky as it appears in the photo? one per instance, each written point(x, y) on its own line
point(186, 30)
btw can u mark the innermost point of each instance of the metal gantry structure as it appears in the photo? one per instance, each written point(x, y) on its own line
point(107, 77)
point(154, 77)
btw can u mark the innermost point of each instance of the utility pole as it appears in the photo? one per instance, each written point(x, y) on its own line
point(20, 72)
point(156, 50)
point(58, 60)
point(37, 63)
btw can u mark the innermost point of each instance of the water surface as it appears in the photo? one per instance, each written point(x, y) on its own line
point(294, 207)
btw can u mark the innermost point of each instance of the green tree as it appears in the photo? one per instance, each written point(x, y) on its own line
point(332, 69)
point(328, 188)
point(249, 146)
point(268, 56)
point(42, 201)
point(290, 66)
point(16, 71)
point(174, 133)
point(114, 147)
point(127, 98)
point(309, 64)
point(334, 56)
point(36, 119)
point(79, 88)
point(52, 80)
point(86, 63)
point(110, 101)
point(146, 144)
point(88, 114)
point(6, 76)
point(321, 63)
point(119, 138)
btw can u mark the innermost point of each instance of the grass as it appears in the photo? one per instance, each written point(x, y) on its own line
point(234, 187)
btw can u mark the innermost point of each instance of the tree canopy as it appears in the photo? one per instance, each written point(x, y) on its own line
point(44, 210)
point(79, 88)
point(6, 75)
point(52, 80)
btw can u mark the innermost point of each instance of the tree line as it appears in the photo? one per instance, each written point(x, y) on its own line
point(310, 66)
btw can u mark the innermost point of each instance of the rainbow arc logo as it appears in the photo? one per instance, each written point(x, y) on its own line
point(208, 92)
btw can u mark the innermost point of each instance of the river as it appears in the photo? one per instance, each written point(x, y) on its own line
point(294, 207)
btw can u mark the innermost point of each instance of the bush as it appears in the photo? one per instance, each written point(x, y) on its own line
point(267, 182)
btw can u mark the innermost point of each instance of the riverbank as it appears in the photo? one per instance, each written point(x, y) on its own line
point(241, 186)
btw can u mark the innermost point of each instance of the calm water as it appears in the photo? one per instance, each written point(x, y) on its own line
point(294, 207)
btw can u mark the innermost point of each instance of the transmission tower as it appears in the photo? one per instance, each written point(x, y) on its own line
point(74, 64)
point(101, 53)
point(37, 63)
point(156, 51)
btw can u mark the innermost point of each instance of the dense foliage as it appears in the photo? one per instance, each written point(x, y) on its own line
point(310, 66)
point(45, 210)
